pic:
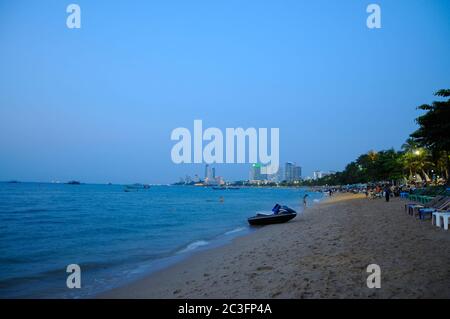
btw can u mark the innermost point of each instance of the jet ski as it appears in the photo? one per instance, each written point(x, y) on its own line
point(281, 214)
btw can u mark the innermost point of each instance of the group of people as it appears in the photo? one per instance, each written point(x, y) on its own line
point(380, 191)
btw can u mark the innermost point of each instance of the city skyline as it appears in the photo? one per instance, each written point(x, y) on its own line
point(255, 174)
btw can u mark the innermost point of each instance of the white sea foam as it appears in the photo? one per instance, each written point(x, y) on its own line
point(235, 230)
point(193, 246)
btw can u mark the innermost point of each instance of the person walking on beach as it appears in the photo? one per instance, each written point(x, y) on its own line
point(304, 200)
point(387, 193)
point(330, 192)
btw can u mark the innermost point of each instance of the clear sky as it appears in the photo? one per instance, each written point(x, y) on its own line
point(98, 104)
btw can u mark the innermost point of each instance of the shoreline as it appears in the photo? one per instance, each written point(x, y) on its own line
point(323, 253)
point(122, 291)
point(186, 253)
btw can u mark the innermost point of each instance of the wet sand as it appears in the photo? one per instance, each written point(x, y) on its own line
point(323, 253)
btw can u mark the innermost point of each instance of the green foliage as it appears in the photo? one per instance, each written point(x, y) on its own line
point(434, 125)
point(427, 150)
point(371, 167)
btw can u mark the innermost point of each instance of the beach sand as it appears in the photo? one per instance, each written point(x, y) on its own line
point(323, 253)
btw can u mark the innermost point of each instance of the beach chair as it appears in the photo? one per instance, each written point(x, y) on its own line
point(414, 196)
point(428, 211)
point(411, 207)
point(404, 194)
point(435, 203)
point(436, 219)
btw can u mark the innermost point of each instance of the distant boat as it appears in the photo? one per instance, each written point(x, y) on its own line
point(137, 186)
point(73, 183)
point(226, 187)
point(134, 186)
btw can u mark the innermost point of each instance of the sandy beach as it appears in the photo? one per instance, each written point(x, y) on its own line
point(323, 253)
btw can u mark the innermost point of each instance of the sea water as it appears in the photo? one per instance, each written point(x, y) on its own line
point(113, 235)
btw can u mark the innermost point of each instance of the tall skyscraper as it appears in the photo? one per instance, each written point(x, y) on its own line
point(206, 170)
point(297, 173)
point(255, 172)
point(209, 172)
point(292, 172)
point(289, 171)
point(277, 177)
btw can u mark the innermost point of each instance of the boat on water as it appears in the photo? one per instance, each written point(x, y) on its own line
point(136, 187)
point(281, 214)
point(226, 187)
point(73, 183)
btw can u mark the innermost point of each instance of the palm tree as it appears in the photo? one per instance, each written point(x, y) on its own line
point(416, 159)
point(441, 163)
point(410, 145)
point(372, 155)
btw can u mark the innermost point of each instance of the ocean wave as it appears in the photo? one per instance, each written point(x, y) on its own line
point(239, 229)
point(193, 246)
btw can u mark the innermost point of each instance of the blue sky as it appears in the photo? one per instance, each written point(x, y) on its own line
point(98, 104)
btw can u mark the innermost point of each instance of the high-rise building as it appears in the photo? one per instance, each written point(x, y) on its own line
point(255, 172)
point(209, 172)
point(297, 173)
point(317, 174)
point(321, 174)
point(213, 172)
point(277, 177)
point(292, 172)
point(289, 171)
point(206, 170)
point(257, 175)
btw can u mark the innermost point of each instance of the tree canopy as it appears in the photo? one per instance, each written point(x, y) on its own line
point(434, 125)
point(425, 153)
